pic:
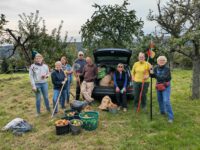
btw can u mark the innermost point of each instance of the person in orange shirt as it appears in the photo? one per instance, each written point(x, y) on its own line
point(140, 74)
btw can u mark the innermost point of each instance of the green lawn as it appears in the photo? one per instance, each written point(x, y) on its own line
point(121, 131)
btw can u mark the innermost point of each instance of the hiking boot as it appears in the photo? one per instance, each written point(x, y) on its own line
point(125, 109)
point(63, 107)
point(49, 110)
point(92, 99)
point(144, 109)
point(163, 113)
point(90, 102)
point(119, 108)
point(170, 121)
point(55, 114)
point(37, 114)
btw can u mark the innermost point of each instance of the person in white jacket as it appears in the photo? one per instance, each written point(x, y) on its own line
point(39, 73)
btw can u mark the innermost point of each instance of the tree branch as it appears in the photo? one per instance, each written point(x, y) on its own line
point(13, 51)
point(19, 43)
point(183, 53)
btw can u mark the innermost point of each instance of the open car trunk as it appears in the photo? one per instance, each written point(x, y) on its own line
point(105, 85)
point(107, 59)
point(112, 56)
point(107, 75)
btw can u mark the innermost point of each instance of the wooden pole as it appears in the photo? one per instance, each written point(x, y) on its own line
point(151, 106)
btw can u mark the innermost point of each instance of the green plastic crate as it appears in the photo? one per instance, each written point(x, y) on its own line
point(91, 122)
point(101, 73)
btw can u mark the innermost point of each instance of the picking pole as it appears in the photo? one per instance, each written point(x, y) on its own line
point(151, 114)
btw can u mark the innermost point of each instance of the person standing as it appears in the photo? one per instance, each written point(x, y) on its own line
point(89, 76)
point(140, 75)
point(120, 84)
point(81, 62)
point(163, 76)
point(39, 73)
point(66, 67)
point(58, 79)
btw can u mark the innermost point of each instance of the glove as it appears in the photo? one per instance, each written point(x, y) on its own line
point(123, 90)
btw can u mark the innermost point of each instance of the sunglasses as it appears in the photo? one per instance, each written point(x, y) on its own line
point(120, 66)
point(80, 55)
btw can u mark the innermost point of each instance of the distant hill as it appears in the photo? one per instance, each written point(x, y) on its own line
point(78, 45)
point(5, 51)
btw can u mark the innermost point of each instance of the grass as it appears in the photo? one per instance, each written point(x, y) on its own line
point(120, 131)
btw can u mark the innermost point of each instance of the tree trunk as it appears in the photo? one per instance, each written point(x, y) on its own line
point(196, 78)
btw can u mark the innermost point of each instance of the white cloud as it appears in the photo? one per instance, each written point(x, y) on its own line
point(73, 12)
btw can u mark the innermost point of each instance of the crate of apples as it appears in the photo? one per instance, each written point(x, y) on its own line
point(61, 122)
point(76, 122)
point(70, 114)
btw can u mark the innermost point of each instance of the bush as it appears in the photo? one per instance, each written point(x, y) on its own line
point(4, 66)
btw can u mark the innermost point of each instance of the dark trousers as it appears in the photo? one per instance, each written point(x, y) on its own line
point(121, 99)
point(137, 89)
point(78, 88)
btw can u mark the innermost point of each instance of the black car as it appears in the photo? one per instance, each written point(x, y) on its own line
point(110, 58)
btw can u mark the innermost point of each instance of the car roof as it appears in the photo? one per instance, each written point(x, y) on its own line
point(115, 49)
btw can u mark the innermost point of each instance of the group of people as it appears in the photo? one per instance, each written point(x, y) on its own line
point(141, 72)
point(61, 77)
point(85, 72)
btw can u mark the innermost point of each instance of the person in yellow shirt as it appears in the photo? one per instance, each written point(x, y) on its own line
point(140, 74)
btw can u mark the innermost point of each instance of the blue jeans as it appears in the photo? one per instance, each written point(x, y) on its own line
point(164, 102)
point(68, 90)
point(42, 88)
point(56, 93)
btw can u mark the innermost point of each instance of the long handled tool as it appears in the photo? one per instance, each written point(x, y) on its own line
point(76, 68)
point(150, 54)
point(58, 98)
point(140, 98)
point(151, 114)
point(72, 95)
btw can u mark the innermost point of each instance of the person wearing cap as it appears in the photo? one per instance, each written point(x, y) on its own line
point(140, 76)
point(66, 67)
point(39, 73)
point(120, 84)
point(89, 76)
point(58, 79)
point(79, 72)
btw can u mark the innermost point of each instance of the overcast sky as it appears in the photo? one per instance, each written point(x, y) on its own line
point(74, 13)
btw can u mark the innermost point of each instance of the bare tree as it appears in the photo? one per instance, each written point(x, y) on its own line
point(32, 35)
point(181, 19)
